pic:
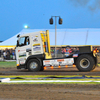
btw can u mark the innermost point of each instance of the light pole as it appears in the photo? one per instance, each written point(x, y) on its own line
point(51, 22)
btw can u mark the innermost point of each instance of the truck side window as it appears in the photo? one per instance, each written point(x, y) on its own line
point(24, 41)
point(27, 40)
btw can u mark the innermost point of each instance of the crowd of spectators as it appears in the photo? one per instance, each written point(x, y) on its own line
point(65, 51)
point(8, 54)
point(70, 50)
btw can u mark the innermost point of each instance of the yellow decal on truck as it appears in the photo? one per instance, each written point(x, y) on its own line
point(36, 44)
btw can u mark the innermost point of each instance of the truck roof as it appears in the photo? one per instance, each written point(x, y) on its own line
point(27, 34)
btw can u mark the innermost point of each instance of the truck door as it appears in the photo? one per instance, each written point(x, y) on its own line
point(23, 50)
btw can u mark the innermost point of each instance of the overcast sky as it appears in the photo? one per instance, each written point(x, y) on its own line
point(14, 14)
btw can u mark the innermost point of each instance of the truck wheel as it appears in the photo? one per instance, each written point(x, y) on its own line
point(33, 65)
point(85, 63)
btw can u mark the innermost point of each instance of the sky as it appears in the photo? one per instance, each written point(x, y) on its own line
point(15, 14)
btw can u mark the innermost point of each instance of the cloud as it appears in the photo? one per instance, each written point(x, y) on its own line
point(92, 5)
point(95, 5)
point(80, 2)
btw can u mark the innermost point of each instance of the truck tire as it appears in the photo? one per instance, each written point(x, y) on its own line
point(85, 63)
point(42, 68)
point(94, 67)
point(33, 65)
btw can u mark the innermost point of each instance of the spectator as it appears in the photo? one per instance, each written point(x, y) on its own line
point(0, 53)
point(4, 54)
point(68, 49)
point(11, 56)
point(8, 55)
point(62, 50)
point(13, 53)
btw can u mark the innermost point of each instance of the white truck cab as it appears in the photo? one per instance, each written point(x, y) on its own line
point(31, 46)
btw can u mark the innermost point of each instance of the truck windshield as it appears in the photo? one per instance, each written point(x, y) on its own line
point(24, 41)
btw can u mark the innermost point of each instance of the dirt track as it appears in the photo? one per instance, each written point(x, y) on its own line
point(49, 91)
point(63, 71)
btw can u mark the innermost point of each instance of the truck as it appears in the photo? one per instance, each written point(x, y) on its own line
point(33, 53)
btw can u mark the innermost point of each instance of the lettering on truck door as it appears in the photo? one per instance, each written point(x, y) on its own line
point(36, 44)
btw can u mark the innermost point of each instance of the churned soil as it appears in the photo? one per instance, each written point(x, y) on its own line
point(49, 92)
point(57, 71)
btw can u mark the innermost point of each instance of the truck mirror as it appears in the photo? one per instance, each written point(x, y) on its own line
point(17, 43)
point(51, 20)
point(18, 35)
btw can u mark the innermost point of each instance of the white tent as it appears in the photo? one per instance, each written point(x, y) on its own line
point(64, 36)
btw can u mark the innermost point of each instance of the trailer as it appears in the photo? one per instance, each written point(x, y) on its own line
point(33, 53)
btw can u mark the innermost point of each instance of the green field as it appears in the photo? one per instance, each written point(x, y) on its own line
point(5, 64)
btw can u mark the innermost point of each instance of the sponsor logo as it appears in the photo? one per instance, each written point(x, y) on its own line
point(60, 60)
point(36, 48)
point(22, 61)
point(75, 55)
point(35, 40)
point(47, 61)
point(21, 50)
point(22, 54)
point(34, 36)
point(37, 52)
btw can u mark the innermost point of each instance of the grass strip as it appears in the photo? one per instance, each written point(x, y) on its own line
point(42, 76)
point(78, 83)
point(10, 64)
point(5, 64)
point(38, 76)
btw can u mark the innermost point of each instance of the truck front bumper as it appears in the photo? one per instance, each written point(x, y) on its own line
point(18, 67)
point(21, 67)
